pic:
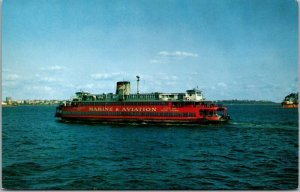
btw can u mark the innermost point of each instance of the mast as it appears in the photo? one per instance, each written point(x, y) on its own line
point(138, 84)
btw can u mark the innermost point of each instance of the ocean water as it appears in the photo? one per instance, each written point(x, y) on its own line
point(257, 150)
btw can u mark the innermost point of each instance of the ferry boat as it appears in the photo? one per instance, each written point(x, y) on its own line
point(188, 107)
point(290, 101)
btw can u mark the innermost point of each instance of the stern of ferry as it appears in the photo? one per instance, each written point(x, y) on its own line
point(215, 114)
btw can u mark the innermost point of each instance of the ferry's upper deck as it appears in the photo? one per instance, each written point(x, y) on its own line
point(123, 94)
point(190, 95)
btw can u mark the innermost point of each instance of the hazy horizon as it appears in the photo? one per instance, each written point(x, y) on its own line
point(233, 99)
point(230, 49)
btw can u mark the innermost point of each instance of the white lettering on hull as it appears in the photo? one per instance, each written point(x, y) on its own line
point(127, 109)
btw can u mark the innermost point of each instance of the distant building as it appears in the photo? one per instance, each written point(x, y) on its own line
point(9, 100)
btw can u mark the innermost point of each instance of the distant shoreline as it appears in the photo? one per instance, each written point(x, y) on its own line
point(246, 102)
point(28, 105)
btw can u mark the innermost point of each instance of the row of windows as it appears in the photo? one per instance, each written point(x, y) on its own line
point(174, 104)
point(130, 97)
point(148, 114)
point(140, 96)
point(122, 103)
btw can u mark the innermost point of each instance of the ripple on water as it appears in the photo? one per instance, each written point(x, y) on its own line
point(258, 150)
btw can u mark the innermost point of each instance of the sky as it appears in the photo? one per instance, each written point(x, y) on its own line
point(230, 49)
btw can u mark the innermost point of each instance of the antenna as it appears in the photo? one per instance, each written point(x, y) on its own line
point(137, 85)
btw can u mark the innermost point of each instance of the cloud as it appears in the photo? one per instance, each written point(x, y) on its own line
point(107, 76)
point(169, 77)
point(41, 88)
point(164, 57)
point(47, 80)
point(179, 54)
point(11, 77)
point(156, 61)
point(53, 68)
point(222, 84)
point(50, 80)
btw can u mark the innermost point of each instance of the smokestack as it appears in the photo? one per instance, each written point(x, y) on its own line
point(138, 84)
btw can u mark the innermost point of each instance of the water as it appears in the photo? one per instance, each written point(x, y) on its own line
point(257, 150)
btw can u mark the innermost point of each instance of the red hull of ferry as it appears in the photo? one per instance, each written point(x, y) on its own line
point(169, 112)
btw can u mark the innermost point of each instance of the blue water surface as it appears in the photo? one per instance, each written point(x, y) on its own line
point(257, 150)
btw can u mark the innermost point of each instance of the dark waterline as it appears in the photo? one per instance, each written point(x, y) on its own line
point(257, 150)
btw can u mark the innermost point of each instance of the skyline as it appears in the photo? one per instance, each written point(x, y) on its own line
point(231, 49)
